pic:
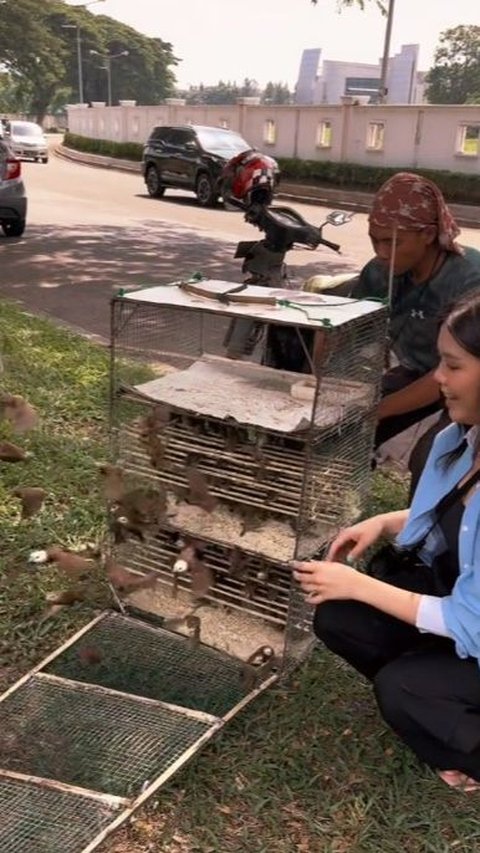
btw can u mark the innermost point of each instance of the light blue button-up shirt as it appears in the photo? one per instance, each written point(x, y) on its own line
point(459, 612)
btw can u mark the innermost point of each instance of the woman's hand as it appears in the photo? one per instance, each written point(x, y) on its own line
point(323, 581)
point(352, 542)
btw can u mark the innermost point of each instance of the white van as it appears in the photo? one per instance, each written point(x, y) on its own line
point(27, 140)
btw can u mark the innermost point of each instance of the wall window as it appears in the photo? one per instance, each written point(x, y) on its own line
point(375, 136)
point(224, 123)
point(324, 135)
point(468, 140)
point(269, 132)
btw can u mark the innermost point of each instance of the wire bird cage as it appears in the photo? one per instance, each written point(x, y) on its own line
point(229, 469)
point(252, 465)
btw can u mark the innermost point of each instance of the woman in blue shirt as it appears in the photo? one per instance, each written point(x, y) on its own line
point(417, 635)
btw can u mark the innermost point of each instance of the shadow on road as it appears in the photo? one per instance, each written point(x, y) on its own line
point(70, 273)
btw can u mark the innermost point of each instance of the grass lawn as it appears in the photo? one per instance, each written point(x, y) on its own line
point(309, 768)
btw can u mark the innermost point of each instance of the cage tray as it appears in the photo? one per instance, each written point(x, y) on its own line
point(131, 656)
point(337, 310)
point(84, 736)
point(246, 393)
point(36, 819)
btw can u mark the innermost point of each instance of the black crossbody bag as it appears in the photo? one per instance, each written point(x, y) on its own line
point(391, 563)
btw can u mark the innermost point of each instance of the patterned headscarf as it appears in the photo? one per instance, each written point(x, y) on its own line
point(411, 203)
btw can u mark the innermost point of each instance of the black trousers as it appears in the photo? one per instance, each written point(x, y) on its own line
point(425, 693)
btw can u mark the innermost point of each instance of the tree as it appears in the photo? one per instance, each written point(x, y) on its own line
point(455, 76)
point(38, 52)
point(30, 52)
point(276, 93)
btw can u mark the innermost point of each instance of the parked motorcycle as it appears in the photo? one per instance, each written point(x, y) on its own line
point(264, 265)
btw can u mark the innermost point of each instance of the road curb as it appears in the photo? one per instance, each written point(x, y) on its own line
point(467, 216)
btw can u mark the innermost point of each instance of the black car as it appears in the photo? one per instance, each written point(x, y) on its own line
point(190, 157)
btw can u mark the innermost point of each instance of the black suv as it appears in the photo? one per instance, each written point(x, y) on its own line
point(190, 157)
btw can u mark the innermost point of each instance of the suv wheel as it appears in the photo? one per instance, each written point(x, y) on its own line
point(152, 180)
point(206, 194)
point(14, 229)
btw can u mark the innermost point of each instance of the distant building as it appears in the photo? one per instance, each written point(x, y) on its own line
point(328, 81)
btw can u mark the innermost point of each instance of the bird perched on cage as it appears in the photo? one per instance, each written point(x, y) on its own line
point(124, 580)
point(144, 506)
point(257, 664)
point(157, 449)
point(190, 559)
point(238, 562)
point(155, 421)
point(12, 453)
point(31, 498)
point(260, 656)
point(252, 518)
point(18, 412)
point(198, 489)
point(122, 530)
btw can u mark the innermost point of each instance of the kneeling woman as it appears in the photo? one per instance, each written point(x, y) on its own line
point(416, 636)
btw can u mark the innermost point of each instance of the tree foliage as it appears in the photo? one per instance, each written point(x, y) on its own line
point(227, 93)
point(38, 53)
point(455, 76)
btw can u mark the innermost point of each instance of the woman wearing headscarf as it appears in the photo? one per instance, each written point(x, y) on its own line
point(413, 234)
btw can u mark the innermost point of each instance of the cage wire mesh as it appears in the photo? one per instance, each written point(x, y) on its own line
point(35, 819)
point(132, 656)
point(82, 736)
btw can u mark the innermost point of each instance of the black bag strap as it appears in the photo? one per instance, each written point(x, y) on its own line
point(448, 500)
point(456, 494)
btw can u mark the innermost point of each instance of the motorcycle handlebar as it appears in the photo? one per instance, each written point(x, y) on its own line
point(335, 246)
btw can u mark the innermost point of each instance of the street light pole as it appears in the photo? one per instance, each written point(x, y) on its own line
point(383, 90)
point(79, 46)
point(108, 68)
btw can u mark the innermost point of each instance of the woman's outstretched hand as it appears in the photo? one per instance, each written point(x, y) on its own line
point(352, 542)
point(325, 580)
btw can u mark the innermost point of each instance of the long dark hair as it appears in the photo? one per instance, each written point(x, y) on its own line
point(463, 322)
point(462, 319)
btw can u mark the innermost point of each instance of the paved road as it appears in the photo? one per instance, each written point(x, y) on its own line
point(91, 231)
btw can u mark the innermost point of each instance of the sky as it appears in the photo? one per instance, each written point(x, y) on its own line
point(263, 39)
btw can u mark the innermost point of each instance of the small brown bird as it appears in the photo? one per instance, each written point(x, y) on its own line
point(202, 578)
point(260, 656)
point(252, 519)
point(198, 491)
point(31, 498)
point(122, 530)
point(89, 655)
point(124, 580)
point(65, 597)
point(72, 564)
point(143, 507)
point(15, 409)
point(156, 420)
point(112, 477)
point(12, 453)
point(156, 449)
point(238, 562)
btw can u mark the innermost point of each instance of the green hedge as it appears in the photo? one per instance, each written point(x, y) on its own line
point(456, 186)
point(122, 150)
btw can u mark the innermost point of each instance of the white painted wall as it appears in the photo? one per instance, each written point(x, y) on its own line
point(422, 136)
